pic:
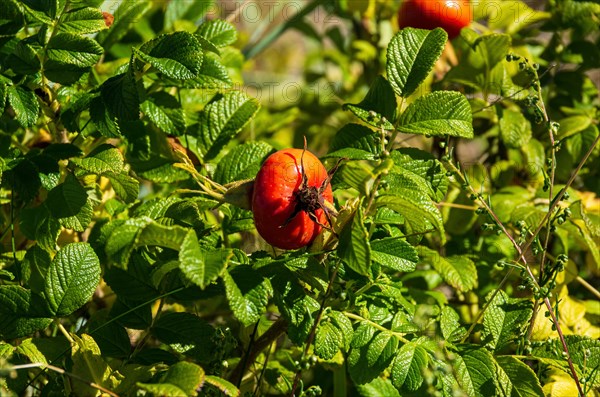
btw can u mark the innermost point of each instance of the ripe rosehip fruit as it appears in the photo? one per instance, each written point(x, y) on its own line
point(288, 196)
point(450, 15)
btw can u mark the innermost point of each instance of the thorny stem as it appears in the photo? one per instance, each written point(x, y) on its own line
point(62, 372)
point(247, 354)
point(313, 330)
point(521, 250)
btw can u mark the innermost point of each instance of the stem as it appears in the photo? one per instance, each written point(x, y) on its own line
point(313, 330)
point(247, 354)
point(265, 340)
point(398, 335)
point(565, 347)
point(63, 372)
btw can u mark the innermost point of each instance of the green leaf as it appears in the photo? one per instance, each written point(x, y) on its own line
point(419, 212)
point(23, 59)
point(476, 372)
point(70, 56)
point(379, 102)
point(120, 96)
point(515, 129)
point(69, 203)
point(20, 312)
point(247, 293)
point(450, 325)
point(221, 120)
point(165, 112)
point(127, 15)
point(82, 21)
point(219, 32)
point(11, 19)
point(212, 75)
point(328, 340)
point(411, 55)
point(132, 283)
point(354, 248)
point(38, 224)
point(517, 379)
point(124, 185)
point(394, 253)
point(200, 266)
point(227, 388)
point(378, 387)
point(72, 278)
point(294, 304)
point(111, 337)
point(242, 162)
point(25, 105)
point(181, 380)
point(408, 366)
point(105, 122)
point(102, 159)
point(356, 142)
point(176, 55)
point(89, 364)
point(416, 163)
point(184, 329)
point(366, 362)
point(458, 271)
point(504, 320)
point(439, 113)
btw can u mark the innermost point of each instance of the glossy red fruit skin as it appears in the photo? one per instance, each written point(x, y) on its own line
point(273, 200)
point(450, 15)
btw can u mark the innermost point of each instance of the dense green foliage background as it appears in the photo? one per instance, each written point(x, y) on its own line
point(465, 257)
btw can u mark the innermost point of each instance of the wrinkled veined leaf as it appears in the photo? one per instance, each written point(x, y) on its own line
point(328, 339)
point(517, 379)
point(378, 387)
point(366, 362)
point(21, 312)
point(450, 325)
point(70, 56)
point(419, 212)
point(354, 248)
point(120, 96)
point(504, 319)
point(165, 112)
point(408, 366)
point(199, 265)
point(424, 166)
point(439, 113)
point(82, 20)
point(458, 271)
point(69, 203)
point(219, 32)
point(395, 254)
point(25, 105)
point(72, 278)
point(176, 55)
point(411, 55)
point(242, 162)
point(221, 120)
point(476, 372)
point(247, 293)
